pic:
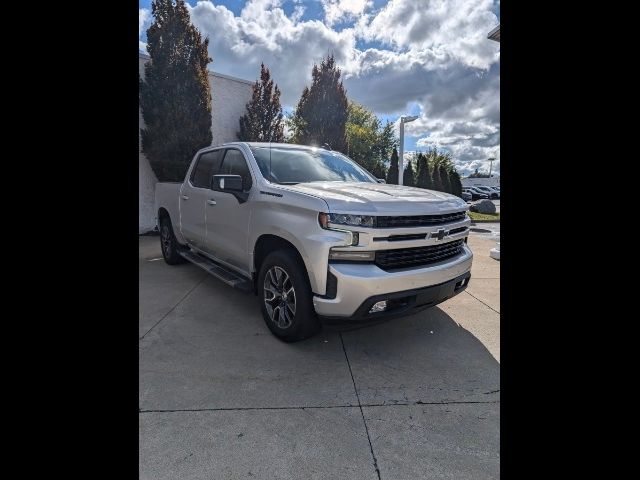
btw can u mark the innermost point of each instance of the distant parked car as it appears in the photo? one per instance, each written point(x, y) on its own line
point(466, 196)
point(494, 189)
point(493, 194)
point(476, 194)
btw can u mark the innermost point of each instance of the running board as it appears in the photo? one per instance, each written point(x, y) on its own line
point(224, 274)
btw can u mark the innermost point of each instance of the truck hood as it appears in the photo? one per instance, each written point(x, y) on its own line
point(380, 198)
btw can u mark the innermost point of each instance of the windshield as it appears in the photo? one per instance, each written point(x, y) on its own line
point(299, 165)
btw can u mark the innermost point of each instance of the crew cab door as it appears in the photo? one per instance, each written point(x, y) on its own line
point(228, 219)
point(194, 194)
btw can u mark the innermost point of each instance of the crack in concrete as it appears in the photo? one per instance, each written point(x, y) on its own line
point(364, 405)
point(488, 306)
point(174, 307)
point(373, 455)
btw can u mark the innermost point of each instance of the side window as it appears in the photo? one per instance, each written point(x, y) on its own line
point(208, 164)
point(235, 164)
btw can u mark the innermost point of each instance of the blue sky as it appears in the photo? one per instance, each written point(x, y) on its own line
point(398, 57)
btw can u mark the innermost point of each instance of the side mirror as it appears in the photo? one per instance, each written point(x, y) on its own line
point(381, 180)
point(226, 183)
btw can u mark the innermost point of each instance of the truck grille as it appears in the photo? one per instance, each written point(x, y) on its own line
point(418, 220)
point(418, 256)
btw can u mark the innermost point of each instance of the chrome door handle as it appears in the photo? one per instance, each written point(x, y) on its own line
point(185, 197)
point(211, 202)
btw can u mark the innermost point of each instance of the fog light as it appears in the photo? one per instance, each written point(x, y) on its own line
point(379, 307)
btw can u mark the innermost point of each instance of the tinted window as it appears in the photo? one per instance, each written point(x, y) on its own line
point(208, 165)
point(235, 164)
point(297, 165)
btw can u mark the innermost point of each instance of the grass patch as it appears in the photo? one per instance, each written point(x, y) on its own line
point(494, 217)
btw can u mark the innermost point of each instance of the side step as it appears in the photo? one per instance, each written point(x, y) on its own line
point(222, 273)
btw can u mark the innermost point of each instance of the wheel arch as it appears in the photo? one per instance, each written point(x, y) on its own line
point(164, 213)
point(267, 243)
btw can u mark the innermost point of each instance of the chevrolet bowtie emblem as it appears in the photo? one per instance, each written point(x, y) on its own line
point(440, 234)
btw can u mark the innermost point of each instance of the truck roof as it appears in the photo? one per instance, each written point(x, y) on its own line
point(271, 144)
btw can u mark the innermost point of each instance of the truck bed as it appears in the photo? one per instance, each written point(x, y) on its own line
point(167, 197)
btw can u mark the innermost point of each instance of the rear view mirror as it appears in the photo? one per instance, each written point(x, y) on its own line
point(232, 184)
point(381, 180)
point(226, 183)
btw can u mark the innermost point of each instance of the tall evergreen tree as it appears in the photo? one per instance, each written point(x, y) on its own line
point(444, 178)
point(321, 114)
point(423, 172)
point(408, 176)
point(392, 173)
point(456, 183)
point(263, 120)
point(175, 96)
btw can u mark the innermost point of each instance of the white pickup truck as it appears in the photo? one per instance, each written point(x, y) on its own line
point(314, 235)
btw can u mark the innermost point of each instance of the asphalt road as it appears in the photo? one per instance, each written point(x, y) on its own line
point(221, 398)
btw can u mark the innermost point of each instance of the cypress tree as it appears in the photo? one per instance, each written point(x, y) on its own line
point(392, 174)
point(263, 120)
point(175, 96)
point(456, 183)
point(444, 178)
point(321, 114)
point(408, 175)
point(423, 172)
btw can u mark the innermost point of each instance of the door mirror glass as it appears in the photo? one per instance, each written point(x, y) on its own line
point(226, 183)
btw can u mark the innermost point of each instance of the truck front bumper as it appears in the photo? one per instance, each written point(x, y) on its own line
point(361, 286)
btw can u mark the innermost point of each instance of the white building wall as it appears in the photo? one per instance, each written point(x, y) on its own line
point(229, 97)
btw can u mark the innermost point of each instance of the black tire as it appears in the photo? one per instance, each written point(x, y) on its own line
point(169, 243)
point(293, 325)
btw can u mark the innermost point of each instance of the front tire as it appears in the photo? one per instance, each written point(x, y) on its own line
point(286, 300)
point(169, 243)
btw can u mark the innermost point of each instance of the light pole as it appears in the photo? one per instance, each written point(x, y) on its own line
point(490, 165)
point(403, 120)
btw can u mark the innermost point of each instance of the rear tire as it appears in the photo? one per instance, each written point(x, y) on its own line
point(169, 243)
point(286, 300)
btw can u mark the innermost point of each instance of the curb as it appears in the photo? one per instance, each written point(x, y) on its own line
point(473, 222)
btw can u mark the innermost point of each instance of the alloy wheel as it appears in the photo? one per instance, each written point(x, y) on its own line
point(279, 297)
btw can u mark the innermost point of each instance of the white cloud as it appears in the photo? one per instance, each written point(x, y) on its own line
point(144, 20)
point(298, 12)
point(264, 33)
point(337, 11)
point(453, 28)
point(433, 53)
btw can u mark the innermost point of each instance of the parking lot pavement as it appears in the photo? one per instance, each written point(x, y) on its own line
point(220, 397)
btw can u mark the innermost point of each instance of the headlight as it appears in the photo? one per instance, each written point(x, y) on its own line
point(326, 220)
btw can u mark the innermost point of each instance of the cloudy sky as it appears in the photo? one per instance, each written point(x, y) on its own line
point(429, 58)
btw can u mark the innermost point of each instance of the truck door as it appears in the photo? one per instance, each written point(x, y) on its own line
point(194, 194)
point(228, 219)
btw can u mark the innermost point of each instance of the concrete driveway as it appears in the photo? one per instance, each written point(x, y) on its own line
point(221, 398)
